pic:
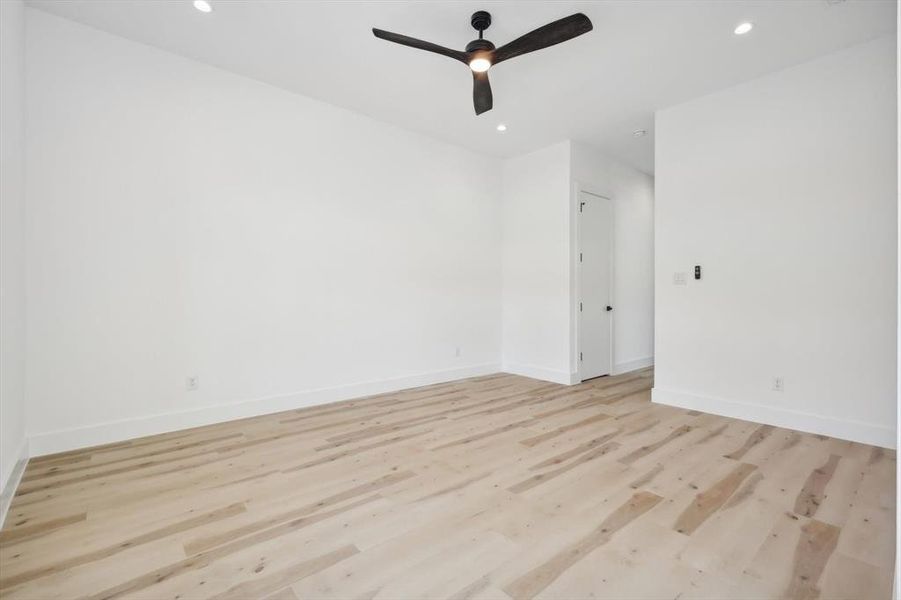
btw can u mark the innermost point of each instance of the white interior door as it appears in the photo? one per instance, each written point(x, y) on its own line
point(595, 277)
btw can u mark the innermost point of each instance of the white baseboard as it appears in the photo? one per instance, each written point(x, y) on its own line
point(633, 365)
point(8, 488)
point(565, 378)
point(117, 431)
point(855, 431)
point(541, 373)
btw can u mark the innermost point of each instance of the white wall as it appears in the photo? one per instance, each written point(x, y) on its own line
point(187, 221)
point(12, 241)
point(784, 190)
point(632, 194)
point(540, 300)
point(536, 241)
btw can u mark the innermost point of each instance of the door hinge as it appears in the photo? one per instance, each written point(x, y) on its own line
point(580, 257)
point(580, 307)
point(581, 205)
point(580, 356)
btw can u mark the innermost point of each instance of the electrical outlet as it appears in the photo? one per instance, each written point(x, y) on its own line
point(192, 383)
point(679, 278)
point(778, 384)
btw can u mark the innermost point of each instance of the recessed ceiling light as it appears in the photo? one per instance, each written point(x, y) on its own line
point(639, 133)
point(502, 127)
point(744, 28)
point(203, 6)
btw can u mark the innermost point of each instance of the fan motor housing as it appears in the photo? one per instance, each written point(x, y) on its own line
point(480, 46)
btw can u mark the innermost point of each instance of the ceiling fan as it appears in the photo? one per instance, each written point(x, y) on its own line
point(481, 54)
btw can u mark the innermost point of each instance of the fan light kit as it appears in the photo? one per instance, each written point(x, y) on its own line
point(744, 28)
point(480, 65)
point(203, 6)
point(639, 133)
point(502, 127)
point(481, 54)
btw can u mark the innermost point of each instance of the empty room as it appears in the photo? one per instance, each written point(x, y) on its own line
point(401, 300)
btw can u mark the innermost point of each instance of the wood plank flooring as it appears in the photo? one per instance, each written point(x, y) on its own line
point(493, 487)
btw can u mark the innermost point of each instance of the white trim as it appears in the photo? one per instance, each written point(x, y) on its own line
point(633, 365)
point(117, 431)
point(8, 488)
point(856, 431)
point(533, 372)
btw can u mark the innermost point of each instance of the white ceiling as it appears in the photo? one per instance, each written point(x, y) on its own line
point(598, 88)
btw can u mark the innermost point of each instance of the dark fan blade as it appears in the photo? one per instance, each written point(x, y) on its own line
point(481, 92)
point(414, 43)
point(553, 33)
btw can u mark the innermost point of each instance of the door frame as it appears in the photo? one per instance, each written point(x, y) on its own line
point(576, 278)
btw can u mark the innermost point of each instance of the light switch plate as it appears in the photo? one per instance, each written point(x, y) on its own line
point(680, 278)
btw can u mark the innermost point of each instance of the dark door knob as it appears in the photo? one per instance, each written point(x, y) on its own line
point(609, 308)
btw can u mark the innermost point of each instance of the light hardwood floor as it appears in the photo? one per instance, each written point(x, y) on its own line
point(494, 487)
